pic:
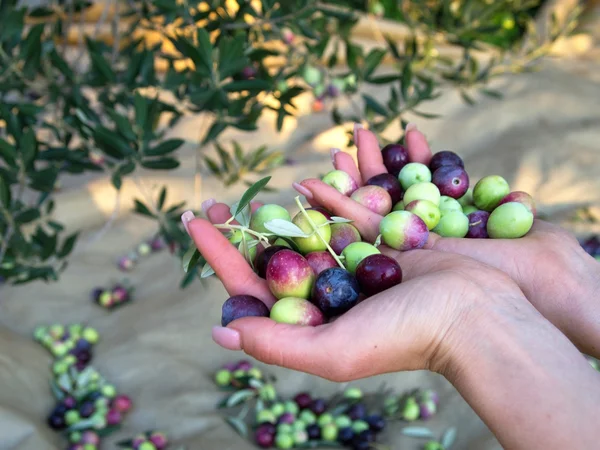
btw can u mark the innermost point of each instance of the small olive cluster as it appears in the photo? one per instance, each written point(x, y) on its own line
point(71, 346)
point(420, 404)
point(129, 261)
point(110, 298)
point(88, 406)
point(326, 87)
point(238, 375)
point(350, 420)
point(150, 440)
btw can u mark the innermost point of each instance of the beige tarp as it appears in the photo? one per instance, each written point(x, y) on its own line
point(543, 137)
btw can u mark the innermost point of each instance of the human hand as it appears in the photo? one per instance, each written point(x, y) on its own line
point(451, 314)
point(419, 324)
point(548, 264)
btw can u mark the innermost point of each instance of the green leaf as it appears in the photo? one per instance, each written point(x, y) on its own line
point(67, 246)
point(212, 166)
point(238, 425)
point(448, 438)
point(426, 115)
point(111, 143)
point(201, 56)
point(60, 64)
point(161, 198)
point(141, 110)
point(5, 197)
point(243, 217)
point(100, 64)
point(373, 60)
point(226, 161)
point(160, 164)
point(383, 79)
point(7, 152)
point(239, 397)
point(417, 432)
point(375, 105)
point(251, 192)
point(207, 271)
point(231, 56)
point(123, 125)
point(28, 146)
point(122, 170)
point(165, 147)
point(142, 209)
point(27, 216)
point(467, 98)
point(406, 80)
point(254, 86)
point(492, 93)
point(190, 259)
point(215, 130)
point(285, 228)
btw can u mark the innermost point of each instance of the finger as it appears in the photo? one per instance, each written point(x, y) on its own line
point(220, 212)
point(343, 161)
point(228, 263)
point(370, 160)
point(366, 221)
point(417, 146)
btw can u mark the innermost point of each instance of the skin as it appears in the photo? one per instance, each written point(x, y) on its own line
point(548, 264)
point(452, 314)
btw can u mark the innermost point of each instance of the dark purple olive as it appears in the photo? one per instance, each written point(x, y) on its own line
point(240, 306)
point(445, 158)
point(395, 157)
point(390, 183)
point(264, 257)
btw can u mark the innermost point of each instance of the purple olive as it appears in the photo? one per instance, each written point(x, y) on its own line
point(478, 225)
point(452, 181)
point(395, 157)
point(262, 260)
point(240, 306)
point(445, 158)
point(388, 182)
point(320, 261)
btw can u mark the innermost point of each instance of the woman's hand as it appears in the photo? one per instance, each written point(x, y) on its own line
point(548, 264)
point(452, 315)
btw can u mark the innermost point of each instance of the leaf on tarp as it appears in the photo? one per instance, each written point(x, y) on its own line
point(238, 425)
point(417, 432)
point(239, 397)
point(282, 227)
point(448, 438)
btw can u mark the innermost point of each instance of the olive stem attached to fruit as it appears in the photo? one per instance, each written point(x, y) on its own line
point(315, 228)
point(260, 236)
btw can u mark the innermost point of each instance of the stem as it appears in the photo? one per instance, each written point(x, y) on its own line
point(226, 226)
point(316, 230)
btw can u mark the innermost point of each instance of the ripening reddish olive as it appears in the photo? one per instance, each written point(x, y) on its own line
point(376, 273)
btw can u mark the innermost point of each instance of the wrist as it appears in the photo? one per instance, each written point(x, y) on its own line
point(514, 367)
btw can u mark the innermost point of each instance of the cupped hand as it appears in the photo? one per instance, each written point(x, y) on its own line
point(421, 323)
point(548, 264)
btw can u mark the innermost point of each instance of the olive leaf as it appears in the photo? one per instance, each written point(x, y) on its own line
point(190, 258)
point(377, 242)
point(207, 271)
point(417, 432)
point(250, 193)
point(56, 391)
point(448, 438)
point(285, 228)
point(238, 425)
point(239, 397)
point(336, 219)
point(242, 215)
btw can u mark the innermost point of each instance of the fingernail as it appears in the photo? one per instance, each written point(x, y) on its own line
point(357, 126)
point(207, 204)
point(302, 190)
point(332, 152)
point(227, 338)
point(186, 218)
point(410, 126)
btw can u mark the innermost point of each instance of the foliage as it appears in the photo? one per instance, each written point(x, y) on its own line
point(106, 107)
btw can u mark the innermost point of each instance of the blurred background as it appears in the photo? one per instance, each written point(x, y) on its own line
point(117, 116)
